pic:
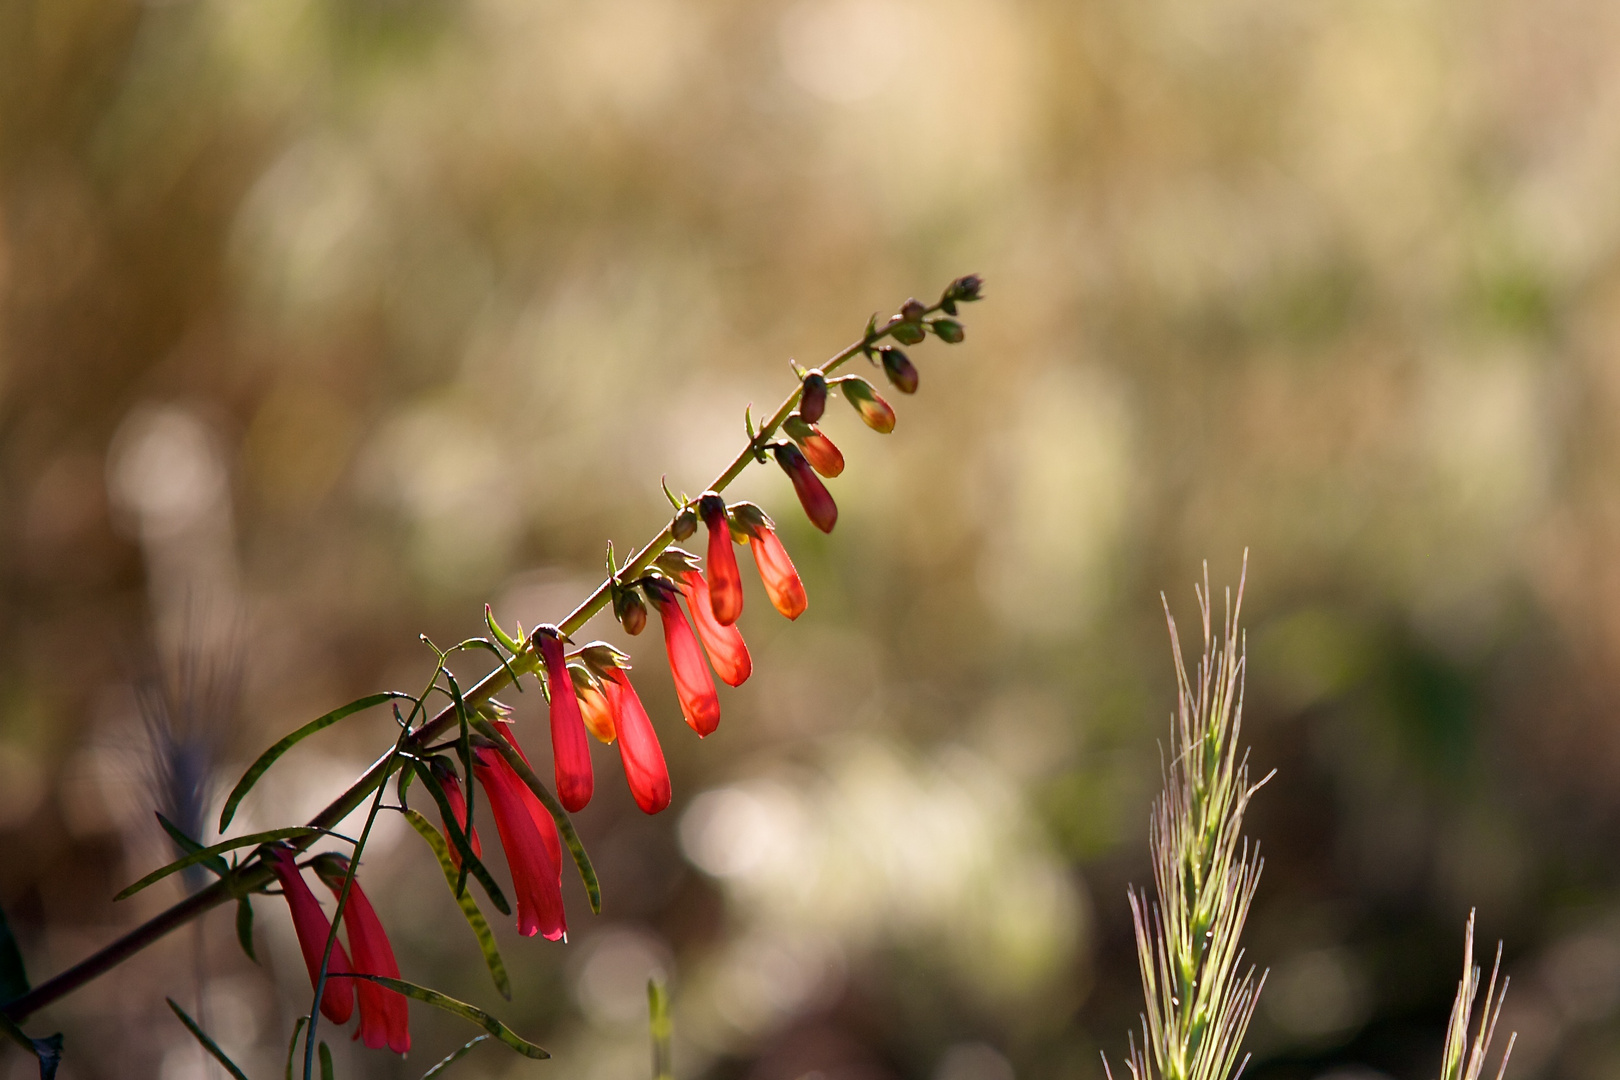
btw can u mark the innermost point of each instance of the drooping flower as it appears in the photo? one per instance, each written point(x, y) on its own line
point(818, 449)
point(899, 368)
point(571, 753)
point(724, 644)
point(776, 570)
point(644, 768)
point(595, 710)
point(813, 496)
point(725, 583)
point(538, 813)
point(876, 413)
point(313, 928)
point(536, 875)
point(813, 397)
point(451, 785)
point(700, 704)
point(384, 1015)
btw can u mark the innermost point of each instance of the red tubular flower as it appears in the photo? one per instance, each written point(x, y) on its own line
point(536, 875)
point(725, 583)
point(452, 794)
point(571, 753)
point(313, 928)
point(644, 768)
point(817, 448)
point(597, 713)
point(384, 1016)
point(813, 496)
point(537, 812)
point(776, 570)
point(724, 644)
point(700, 705)
point(876, 413)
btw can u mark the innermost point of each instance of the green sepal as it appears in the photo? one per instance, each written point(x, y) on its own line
point(459, 1008)
point(327, 1072)
point(207, 1044)
point(464, 899)
point(292, 1044)
point(508, 642)
point(268, 758)
point(203, 854)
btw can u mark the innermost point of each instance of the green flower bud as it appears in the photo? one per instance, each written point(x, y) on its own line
point(948, 330)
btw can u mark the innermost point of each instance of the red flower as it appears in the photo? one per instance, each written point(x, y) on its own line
point(451, 785)
point(384, 1016)
point(313, 928)
point(536, 873)
point(818, 449)
point(597, 713)
point(537, 811)
point(875, 412)
point(813, 496)
point(644, 768)
point(776, 570)
point(700, 705)
point(725, 583)
point(724, 644)
point(571, 753)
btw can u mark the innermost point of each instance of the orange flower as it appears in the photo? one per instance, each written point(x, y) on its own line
point(596, 711)
point(776, 570)
point(819, 450)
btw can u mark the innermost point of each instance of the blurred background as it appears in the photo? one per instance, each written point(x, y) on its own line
point(323, 322)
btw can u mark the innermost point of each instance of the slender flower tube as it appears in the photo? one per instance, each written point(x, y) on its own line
point(813, 496)
point(700, 705)
point(384, 1015)
point(817, 448)
point(536, 877)
point(876, 413)
point(644, 768)
point(537, 812)
point(313, 927)
point(776, 570)
point(596, 712)
point(725, 583)
point(724, 644)
point(458, 804)
point(570, 751)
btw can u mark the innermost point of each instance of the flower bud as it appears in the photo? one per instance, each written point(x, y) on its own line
point(594, 708)
point(725, 583)
point(965, 288)
point(813, 496)
point(948, 330)
point(876, 412)
point(899, 368)
point(684, 525)
point(813, 398)
point(909, 333)
point(913, 310)
point(822, 454)
point(630, 609)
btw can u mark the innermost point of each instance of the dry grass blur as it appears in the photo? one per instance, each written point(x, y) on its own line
point(324, 321)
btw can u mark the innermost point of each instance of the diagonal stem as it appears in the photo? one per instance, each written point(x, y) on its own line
point(253, 875)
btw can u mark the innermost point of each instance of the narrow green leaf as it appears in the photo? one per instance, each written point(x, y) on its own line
point(292, 1044)
point(469, 906)
point(244, 927)
point(48, 1050)
point(189, 846)
point(659, 1026)
point(207, 1044)
point(203, 854)
point(455, 1055)
point(13, 976)
point(565, 825)
point(469, 861)
point(511, 644)
point(268, 758)
point(326, 1063)
point(459, 1008)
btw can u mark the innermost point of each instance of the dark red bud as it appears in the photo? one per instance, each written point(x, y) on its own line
point(913, 310)
point(685, 524)
point(899, 368)
point(948, 330)
point(813, 399)
point(813, 495)
point(630, 609)
point(965, 288)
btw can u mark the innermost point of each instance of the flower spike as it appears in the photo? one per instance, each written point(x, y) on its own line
point(572, 753)
point(724, 644)
point(644, 768)
point(313, 928)
point(536, 873)
point(819, 450)
point(776, 570)
point(700, 704)
point(813, 496)
point(725, 584)
point(384, 1016)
